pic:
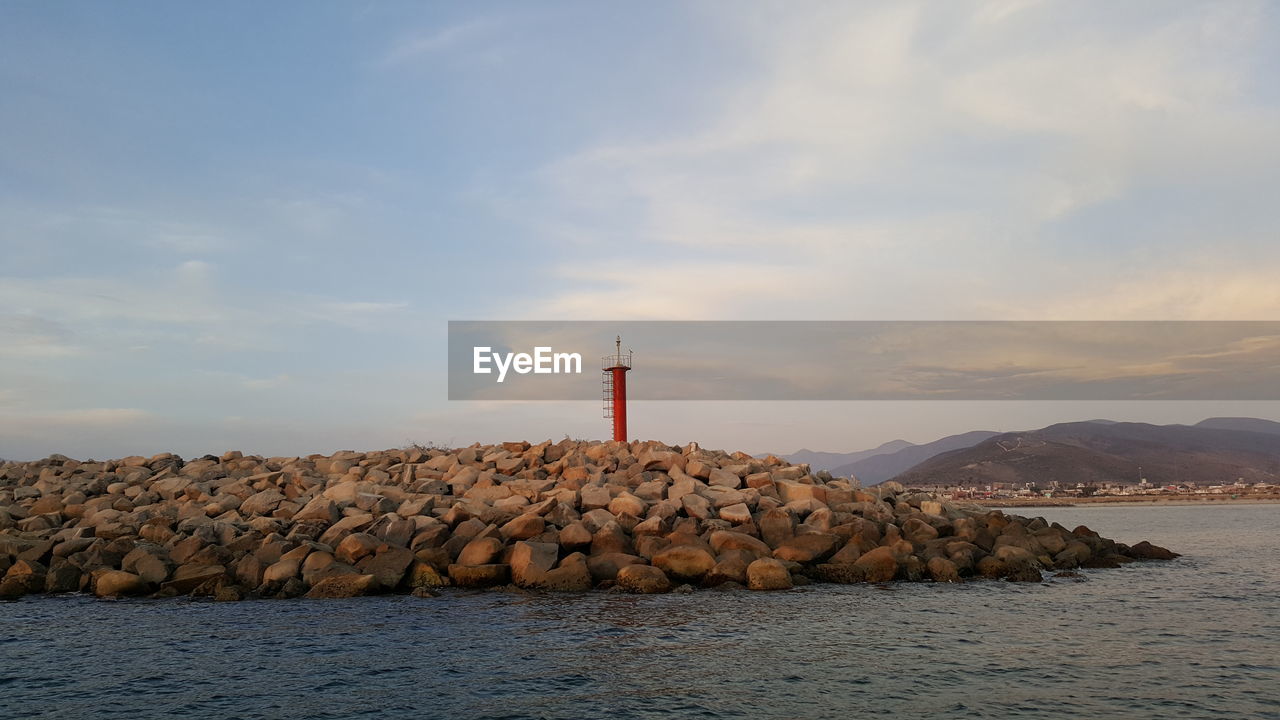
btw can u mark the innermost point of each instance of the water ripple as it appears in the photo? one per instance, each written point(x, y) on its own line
point(1197, 638)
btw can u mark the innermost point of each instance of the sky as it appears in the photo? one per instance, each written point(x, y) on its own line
point(246, 225)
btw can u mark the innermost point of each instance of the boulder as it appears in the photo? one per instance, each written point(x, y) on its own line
point(594, 497)
point(605, 567)
point(685, 563)
point(344, 527)
point(843, 573)
point(790, 491)
point(263, 503)
point(571, 575)
point(480, 576)
point(654, 525)
point(1075, 554)
point(344, 586)
point(189, 578)
point(731, 567)
point(643, 579)
point(918, 532)
point(356, 546)
point(989, 567)
point(281, 570)
point(1020, 565)
point(941, 569)
point(776, 526)
point(531, 561)
point(481, 551)
point(738, 514)
point(389, 566)
point(878, 565)
point(722, 540)
point(575, 536)
point(662, 460)
point(651, 491)
point(1053, 540)
point(118, 583)
point(62, 577)
point(627, 504)
point(698, 469)
point(768, 574)
point(524, 527)
point(611, 538)
point(696, 506)
point(1146, 551)
point(424, 575)
point(24, 577)
point(723, 478)
point(808, 548)
point(320, 509)
point(593, 520)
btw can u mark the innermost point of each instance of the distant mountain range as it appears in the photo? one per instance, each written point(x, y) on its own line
point(1241, 423)
point(830, 460)
point(1212, 452)
point(883, 462)
point(878, 468)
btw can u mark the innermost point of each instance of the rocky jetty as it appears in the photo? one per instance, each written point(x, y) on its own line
point(636, 517)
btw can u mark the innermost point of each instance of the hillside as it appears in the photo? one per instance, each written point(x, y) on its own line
point(877, 468)
point(830, 460)
point(1241, 423)
point(1089, 452)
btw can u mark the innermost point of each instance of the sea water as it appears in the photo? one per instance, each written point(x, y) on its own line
point(1198, 637)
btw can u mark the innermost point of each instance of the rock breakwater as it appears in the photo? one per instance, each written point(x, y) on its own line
point(636, 517)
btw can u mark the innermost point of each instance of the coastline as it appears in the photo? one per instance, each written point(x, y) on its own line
point(1154, 500)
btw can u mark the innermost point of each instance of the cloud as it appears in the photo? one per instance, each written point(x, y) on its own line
point(97, 416)
point(926, 163)
point(435, 40)
point(226, 381)
point(74, 418)
point(32, 336)
point(189, 304)
point(152, 231)
point(662, 291)
point(890, 361)
point(360, 308)
point(1204, 292)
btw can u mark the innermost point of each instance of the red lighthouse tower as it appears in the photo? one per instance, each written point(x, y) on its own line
point(615, 389)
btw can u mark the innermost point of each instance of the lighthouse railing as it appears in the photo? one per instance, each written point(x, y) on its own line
point(616, 360)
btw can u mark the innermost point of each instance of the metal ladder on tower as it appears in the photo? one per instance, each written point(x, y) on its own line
point(606, 383)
